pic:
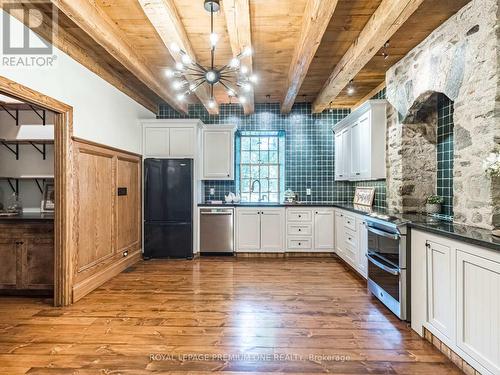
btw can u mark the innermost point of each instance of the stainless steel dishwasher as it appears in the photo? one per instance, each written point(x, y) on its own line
point(216, 230)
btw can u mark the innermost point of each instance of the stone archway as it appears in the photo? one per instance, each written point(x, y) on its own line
point(460, 59)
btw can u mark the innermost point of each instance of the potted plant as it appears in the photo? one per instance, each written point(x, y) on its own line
point(492, 168)
point(433, 204)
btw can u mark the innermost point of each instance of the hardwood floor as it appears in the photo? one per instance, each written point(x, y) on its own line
point(243, 315)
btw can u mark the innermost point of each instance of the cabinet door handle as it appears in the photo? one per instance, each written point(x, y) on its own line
point(357, 174)
point(300, 216)
point(300, 230)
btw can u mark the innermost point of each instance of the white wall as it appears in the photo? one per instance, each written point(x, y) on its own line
point(30, 161)
point(102, 113)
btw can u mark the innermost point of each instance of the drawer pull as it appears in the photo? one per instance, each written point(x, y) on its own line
point(300, 215)
point(300, 243)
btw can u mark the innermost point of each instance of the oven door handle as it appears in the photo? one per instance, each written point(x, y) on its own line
point(383, 233)
point(392, 271)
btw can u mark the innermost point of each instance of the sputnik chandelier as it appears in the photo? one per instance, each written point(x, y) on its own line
point(188, 75)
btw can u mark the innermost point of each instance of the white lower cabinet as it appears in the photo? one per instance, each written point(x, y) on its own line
point(351, 240)
point(478, 308)
point(310, 229)
point(324, 234)
point(260, 229)
point(455, 293)
point(439, 286)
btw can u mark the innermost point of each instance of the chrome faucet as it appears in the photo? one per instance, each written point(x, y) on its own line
point(252, 188)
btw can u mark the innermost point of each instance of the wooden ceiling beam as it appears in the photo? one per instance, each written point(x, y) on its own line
point(93, 21)
point(165, 19)
point(67, 43)
point(385, 21)
point(237, 14)
point(368, 96)
point(317, 16)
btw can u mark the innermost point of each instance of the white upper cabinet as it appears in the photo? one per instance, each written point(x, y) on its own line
point(170, 138)
point(360, 143)
point(181, 142)
point(156, 142)
point(218, 152)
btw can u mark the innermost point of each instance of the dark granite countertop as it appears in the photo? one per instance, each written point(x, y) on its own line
point(455, 231)
point(28, 216)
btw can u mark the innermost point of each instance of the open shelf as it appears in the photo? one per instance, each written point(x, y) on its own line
point(14, 181)
point(13, 145)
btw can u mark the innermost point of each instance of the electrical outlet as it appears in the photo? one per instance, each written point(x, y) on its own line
point(308, 191)
point(212, 191)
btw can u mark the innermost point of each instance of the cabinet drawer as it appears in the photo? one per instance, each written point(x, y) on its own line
point(351, 239)
point(300, 243)
point(299, 215)
point(350, 222)
point(300, 229)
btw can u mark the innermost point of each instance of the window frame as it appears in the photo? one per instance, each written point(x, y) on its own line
point(280, 164)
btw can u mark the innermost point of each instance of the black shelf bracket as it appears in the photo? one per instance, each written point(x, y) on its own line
point(14, 115)
point(42, 116)
point(14, 185)
point(40, 186)
point(42, 150)
point(14, 149)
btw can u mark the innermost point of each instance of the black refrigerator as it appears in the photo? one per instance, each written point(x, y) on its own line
point(168, 208)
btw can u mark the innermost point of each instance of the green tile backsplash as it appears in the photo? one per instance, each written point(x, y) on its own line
point(445, 153)
point(309, 148)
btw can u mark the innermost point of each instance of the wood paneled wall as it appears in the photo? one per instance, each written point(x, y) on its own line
point(107, 231)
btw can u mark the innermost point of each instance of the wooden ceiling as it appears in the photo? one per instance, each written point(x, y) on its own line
point(118, 40)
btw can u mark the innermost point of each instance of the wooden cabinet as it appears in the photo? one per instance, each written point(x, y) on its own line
point(440, 287)
point(324, 224)
point(455, 291)
point(170, 138)
point(260, 229)
point(218, 152)
point(360, 143)
point(27, 253)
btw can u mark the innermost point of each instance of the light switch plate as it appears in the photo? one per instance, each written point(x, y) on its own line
point(212, 191)
point(308, 191)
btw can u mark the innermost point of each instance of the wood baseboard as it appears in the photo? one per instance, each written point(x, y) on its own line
point(83, 288)
point(283, 255)
point(450, 354)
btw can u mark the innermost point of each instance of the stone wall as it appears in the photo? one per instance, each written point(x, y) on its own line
point(461, 60)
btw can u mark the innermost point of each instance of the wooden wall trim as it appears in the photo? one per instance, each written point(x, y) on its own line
point(63, 160)
point(100, 145)
point(114, 234)
point(86, 286)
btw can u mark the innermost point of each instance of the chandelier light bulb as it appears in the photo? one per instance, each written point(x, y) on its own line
point(211, 103)
point(247, 87)
point(231, 92)
point(235, 62)
point(211, 76)
point(177, 85)
point(174, 47)
point(181, 97)
point(247, 51)
point(244, 69)
point(169, 73)
point(253, 78)
point(242, 99)
point(214, 38)
point(179, 66)
point(350, 90)
point(186, 59)
point(192, 87)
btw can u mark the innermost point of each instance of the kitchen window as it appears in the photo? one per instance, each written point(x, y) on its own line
point(260, 167)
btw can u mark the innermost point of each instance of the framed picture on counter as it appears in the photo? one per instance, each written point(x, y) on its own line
point(364, 196)
point(48, 200)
